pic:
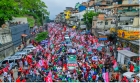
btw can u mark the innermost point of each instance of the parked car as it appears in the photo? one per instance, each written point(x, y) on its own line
point(28, 50)
point(31, 47)
point(20, 53)
point(11, 60)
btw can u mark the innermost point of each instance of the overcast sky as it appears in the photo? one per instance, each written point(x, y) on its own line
point(57, 6)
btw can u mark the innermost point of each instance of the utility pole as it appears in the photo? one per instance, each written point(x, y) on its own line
point(116, 33)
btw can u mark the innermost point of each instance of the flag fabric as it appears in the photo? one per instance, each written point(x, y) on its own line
point(106, 77)
point(49, 77)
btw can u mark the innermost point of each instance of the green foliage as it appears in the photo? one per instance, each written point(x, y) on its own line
point(31, 21)
point(88, 16)
point(8, 8)
point(41, 36)
point(47, 19)
point(15, 8)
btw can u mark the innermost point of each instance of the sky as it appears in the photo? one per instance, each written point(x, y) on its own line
point(57, 6)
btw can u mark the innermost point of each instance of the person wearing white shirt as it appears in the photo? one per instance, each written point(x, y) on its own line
point(5, 74)
point(9, 77)
point(97, 76)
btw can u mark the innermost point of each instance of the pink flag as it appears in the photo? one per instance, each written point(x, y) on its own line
point(38, 65)
point(89, 49)
point(97, 44)
point(115, 65)
point(49, 77)
point(106, 77)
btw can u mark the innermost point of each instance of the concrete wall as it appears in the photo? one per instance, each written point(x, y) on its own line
point(5, 36)
point(6, 50)
point(21, 19)
point(13, 40)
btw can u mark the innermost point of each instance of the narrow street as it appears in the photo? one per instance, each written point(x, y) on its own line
point(69, 41)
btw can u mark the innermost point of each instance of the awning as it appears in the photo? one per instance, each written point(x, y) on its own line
point(104, 38)
point(127, 53)
point(24, 35)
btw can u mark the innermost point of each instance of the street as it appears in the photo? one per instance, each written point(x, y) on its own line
point(69, 41)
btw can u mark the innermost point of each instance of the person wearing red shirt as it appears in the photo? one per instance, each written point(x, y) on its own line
point(64, 28)
point(86, 75)
point(18, 79)
point(117, 76)
point(24, 80)
point(131, 67)
point(19, 71)
point(94, 77)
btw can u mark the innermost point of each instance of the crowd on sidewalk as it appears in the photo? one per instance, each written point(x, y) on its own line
point(48, 63)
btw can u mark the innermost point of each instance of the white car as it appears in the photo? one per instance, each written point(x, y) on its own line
point(28, 50)
point(20, 53)
point(11, 60)
point(31, 47)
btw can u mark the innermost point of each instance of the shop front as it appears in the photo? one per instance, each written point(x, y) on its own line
point(125, 58)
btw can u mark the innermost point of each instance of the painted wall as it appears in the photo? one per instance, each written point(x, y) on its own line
point(67, 14)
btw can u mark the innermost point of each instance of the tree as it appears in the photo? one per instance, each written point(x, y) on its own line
point(41, 36)
point(35, 8)
point(8, 9)
point(15, 8)
point(88, 16)
point(47, 19)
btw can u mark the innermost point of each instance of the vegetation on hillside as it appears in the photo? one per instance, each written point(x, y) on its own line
point(88, 16)
point(14, 8)
point(41, 36)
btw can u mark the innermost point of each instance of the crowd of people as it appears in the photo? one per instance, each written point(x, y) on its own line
point(48, 63)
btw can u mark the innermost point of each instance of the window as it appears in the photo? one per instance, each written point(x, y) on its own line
point(28, 51)
point(4, 62)
point(126, 23)
point(106, 23)
point(10, 61)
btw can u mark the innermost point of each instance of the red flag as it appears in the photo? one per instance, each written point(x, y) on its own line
point(49, 77)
